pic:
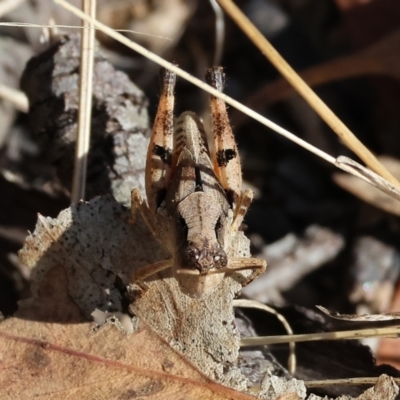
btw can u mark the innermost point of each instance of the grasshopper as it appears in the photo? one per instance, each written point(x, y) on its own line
point(195, 200)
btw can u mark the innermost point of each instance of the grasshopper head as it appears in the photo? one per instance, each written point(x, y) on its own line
point(203, 258)
point(197, 268)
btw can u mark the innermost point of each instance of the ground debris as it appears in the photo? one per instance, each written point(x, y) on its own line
point(96, 250)
point(119, 124)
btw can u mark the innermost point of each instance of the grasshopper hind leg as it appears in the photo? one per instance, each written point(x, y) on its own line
point(158, 172)
point(228, 169)
point(159, 155)
point(226, 158)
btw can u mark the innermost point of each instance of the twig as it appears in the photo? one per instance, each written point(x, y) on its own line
point(85, 105)
point(305, 91)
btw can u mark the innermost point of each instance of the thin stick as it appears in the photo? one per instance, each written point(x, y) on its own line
point(85, 105)
point(305, 91)
point(391, 332)
point(16, 97)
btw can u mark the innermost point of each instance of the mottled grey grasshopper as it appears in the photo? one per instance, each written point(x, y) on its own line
point(195, 200)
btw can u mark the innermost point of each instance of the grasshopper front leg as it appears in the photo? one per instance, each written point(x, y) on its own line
point(144, 272)
point(241, 264)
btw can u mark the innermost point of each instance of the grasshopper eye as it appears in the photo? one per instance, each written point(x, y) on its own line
point(192, 256)
point(203, 259)
point(220, 259)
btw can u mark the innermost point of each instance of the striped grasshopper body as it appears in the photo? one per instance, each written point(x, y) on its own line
point(195, 200)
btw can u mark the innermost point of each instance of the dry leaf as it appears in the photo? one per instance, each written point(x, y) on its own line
point(96, 245)
point(99, 250)
point(69, 361)
point(77, 260)
point(202, 329)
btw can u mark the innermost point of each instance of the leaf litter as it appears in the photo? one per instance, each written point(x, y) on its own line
point(96, 245)
point(179, 343)
point(107, 295)
point(53, 360)
point(76, 263)
point(76, 260)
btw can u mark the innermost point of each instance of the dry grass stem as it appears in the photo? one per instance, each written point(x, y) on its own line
point(244, 303)
point(348, 381)
point(41, 26)
point(197, 82)
point(354, 168)
point(85, 105)
point(389, 332)
point(7, 93)
point(16, 97)
point(202, 85)
point(305, 91)
point(377, 59)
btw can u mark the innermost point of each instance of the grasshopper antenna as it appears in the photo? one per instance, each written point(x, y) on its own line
point(219, 32)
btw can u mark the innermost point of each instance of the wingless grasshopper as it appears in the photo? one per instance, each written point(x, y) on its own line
point(195, 200)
